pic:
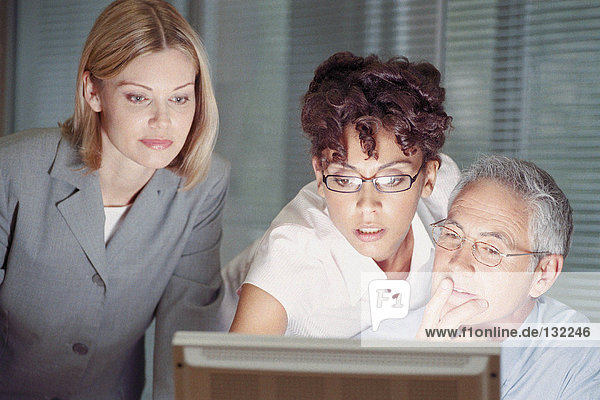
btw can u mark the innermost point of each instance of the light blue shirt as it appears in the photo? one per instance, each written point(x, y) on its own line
point(531, 372)
point(550, 372)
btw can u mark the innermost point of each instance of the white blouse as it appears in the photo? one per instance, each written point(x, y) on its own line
point(113, 218)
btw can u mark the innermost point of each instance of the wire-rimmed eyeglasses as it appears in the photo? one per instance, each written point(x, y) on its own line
point(450, 239)
point(384, 184)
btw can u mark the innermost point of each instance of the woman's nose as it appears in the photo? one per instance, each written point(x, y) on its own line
point(368, 198)
point(160, 118)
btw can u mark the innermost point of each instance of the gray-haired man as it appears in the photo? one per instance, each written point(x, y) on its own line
point(500, 249)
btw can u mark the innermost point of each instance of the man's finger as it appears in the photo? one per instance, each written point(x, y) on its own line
point(433, 310)
point(462, 314)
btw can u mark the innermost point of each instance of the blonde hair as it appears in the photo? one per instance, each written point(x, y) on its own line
point(127, 29)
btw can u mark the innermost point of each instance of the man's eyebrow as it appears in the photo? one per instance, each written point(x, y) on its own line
point(450, 221)
point(498, 235)
point(129, 83)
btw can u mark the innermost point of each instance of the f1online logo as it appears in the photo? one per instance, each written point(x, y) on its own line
point(388, 299)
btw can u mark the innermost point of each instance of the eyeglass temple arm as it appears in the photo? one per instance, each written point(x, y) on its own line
point(526, 254)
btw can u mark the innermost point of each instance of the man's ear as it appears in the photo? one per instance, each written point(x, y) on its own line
point(316, 164)
point(545, 274)
point(91, 92)
point(429, 172)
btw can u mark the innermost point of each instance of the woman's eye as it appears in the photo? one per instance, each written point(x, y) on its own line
point(394, 181)
point(180, 99)
point(342, 181)
point(136, 98)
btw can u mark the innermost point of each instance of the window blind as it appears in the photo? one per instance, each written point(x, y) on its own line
point(50, 37)
point(522, 81)
point(247, 43)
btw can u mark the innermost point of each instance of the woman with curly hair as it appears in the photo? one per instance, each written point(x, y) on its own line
point(376, 128)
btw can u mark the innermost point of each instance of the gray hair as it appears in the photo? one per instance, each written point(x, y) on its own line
point(550, 214)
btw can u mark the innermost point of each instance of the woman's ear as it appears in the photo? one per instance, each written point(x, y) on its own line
point(545, 274)
point(91, 92)
point(317, 168)
point(429, 172)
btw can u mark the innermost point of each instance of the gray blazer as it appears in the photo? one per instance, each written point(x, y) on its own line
point(73, 312)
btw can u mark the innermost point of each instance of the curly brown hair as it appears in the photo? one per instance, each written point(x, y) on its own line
point(404, 98)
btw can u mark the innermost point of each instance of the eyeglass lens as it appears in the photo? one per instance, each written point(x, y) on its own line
point(451, 240)
point(394, 183)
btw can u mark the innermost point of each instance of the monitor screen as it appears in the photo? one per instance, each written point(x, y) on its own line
point(210, 365)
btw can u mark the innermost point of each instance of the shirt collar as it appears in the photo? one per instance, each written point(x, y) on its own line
point(421, 265)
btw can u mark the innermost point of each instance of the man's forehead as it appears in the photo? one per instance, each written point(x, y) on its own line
point(486, 208)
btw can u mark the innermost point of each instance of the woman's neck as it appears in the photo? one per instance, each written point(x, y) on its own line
point(398, 266)
point(120, 189)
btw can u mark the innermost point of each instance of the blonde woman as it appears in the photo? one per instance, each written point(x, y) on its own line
point(117, 220)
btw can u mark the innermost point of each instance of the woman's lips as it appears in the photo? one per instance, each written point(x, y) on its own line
point(369, 234)
point(157, 144)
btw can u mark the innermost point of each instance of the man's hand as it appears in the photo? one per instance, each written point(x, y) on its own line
point(438, 315)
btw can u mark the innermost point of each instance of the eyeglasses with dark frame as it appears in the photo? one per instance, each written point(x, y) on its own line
point(384, 184)
point(449, 239)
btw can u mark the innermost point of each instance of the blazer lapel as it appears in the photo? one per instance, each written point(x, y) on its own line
point(146, 207)
point(82, 208)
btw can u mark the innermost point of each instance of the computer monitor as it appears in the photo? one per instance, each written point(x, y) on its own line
point(215, 366)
